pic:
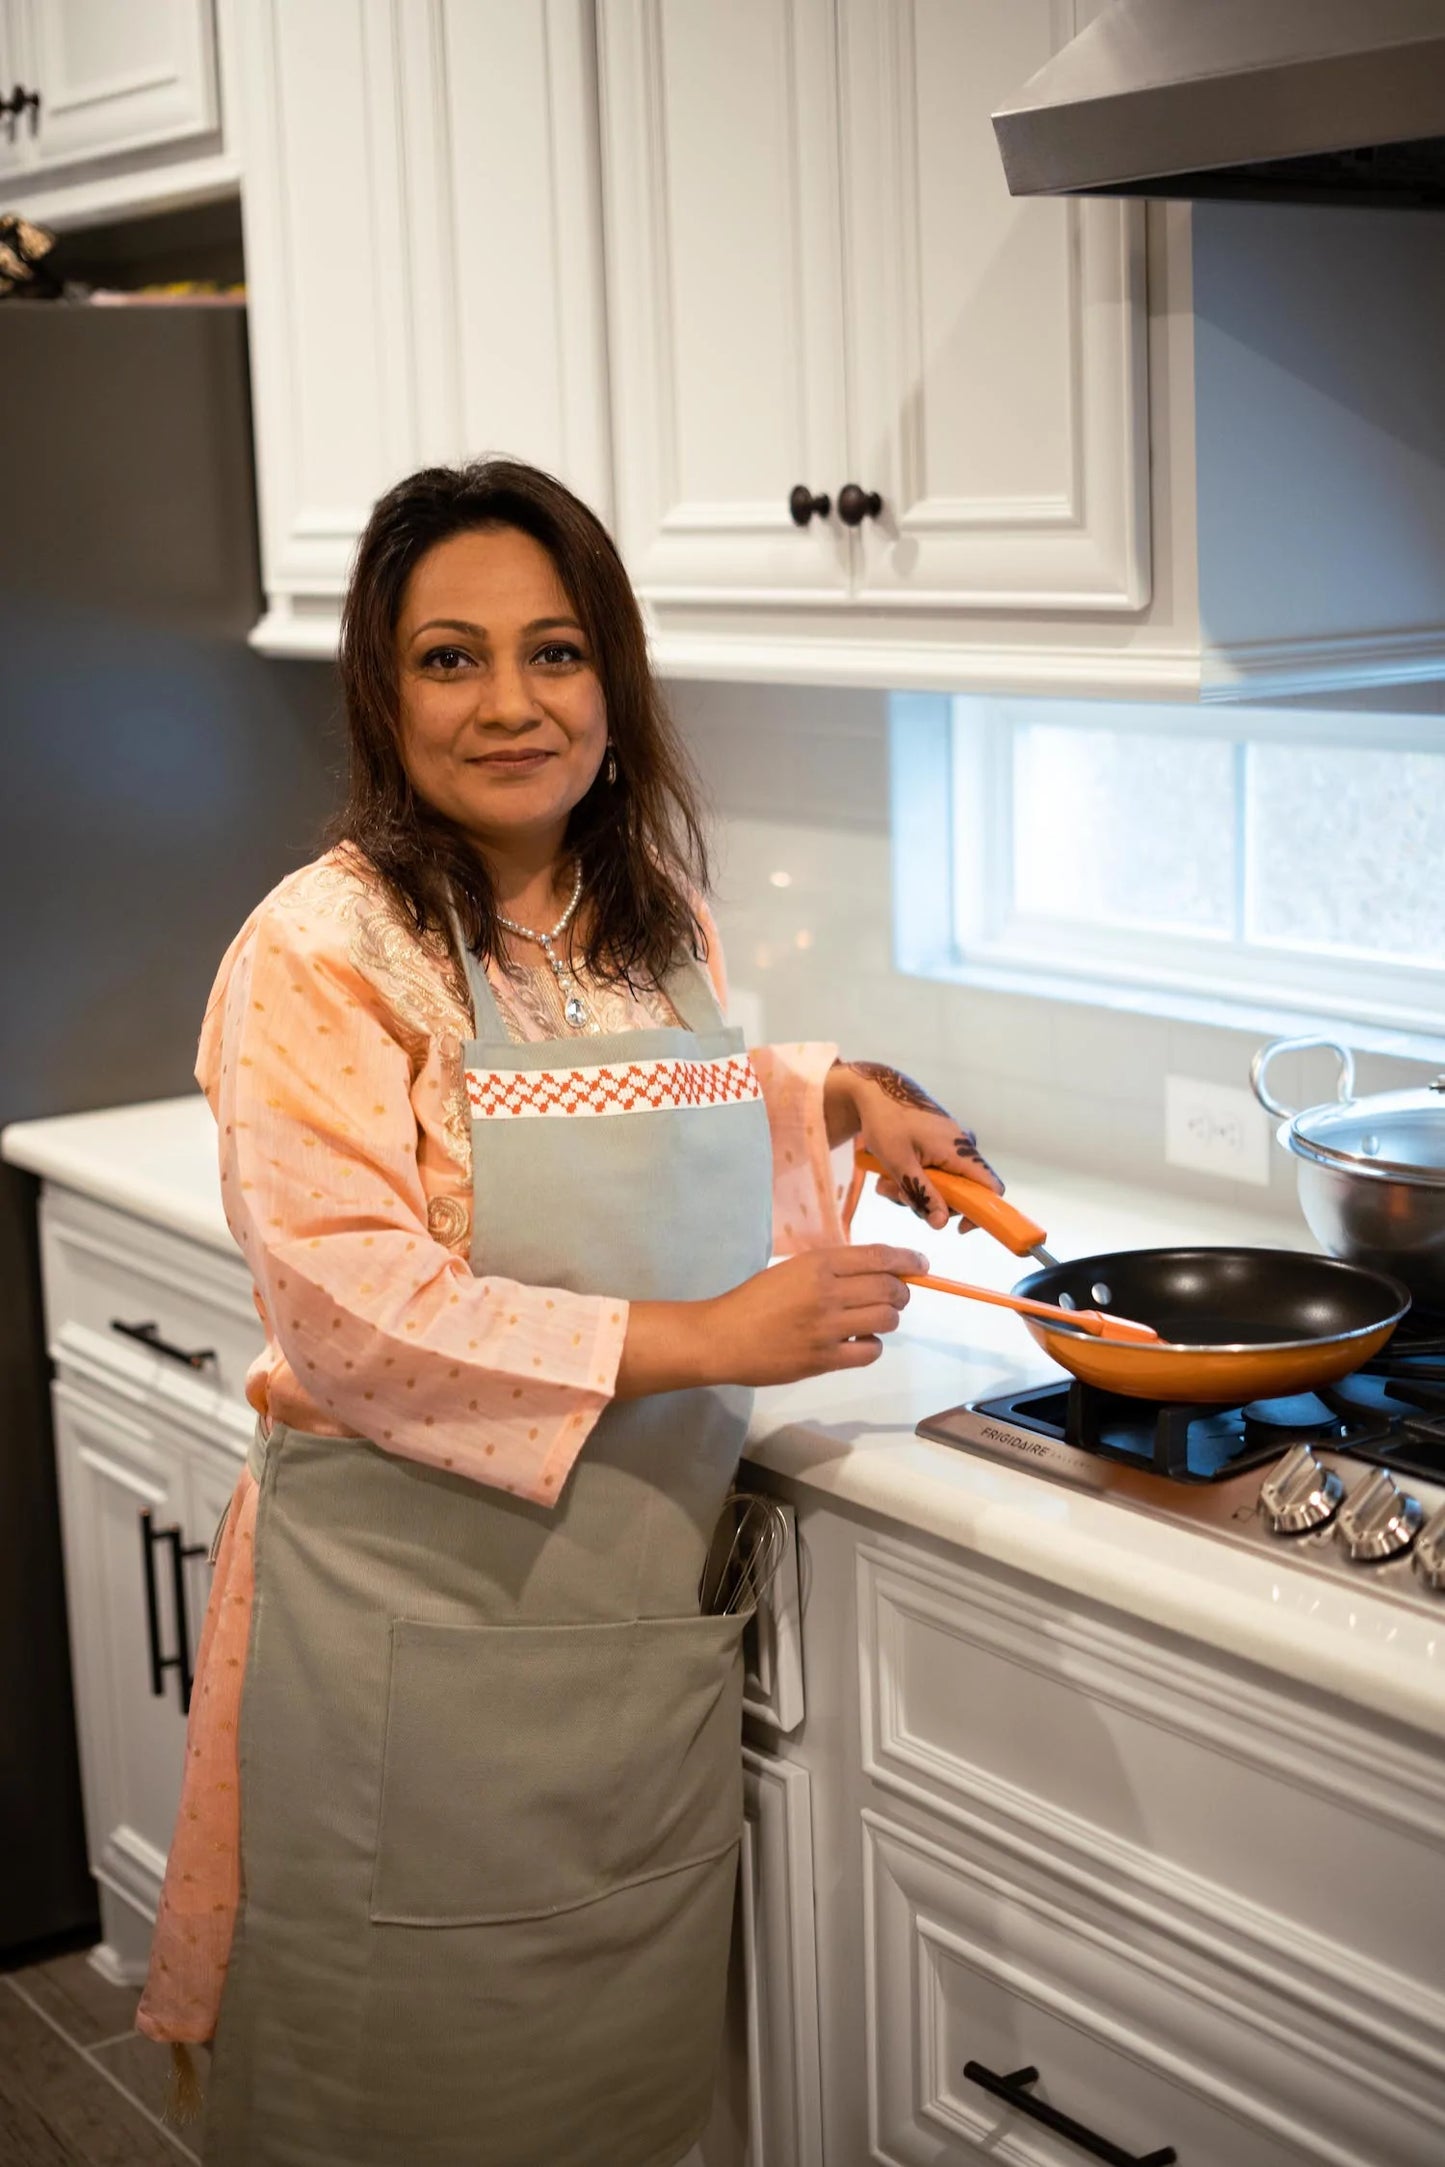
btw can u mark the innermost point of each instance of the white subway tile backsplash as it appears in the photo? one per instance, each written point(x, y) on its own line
point(1004, 1032)
point(1118, 1056)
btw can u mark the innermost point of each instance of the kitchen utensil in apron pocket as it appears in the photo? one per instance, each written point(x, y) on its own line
point(744, 1555)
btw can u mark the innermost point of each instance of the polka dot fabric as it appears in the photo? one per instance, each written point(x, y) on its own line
point(331, 1057)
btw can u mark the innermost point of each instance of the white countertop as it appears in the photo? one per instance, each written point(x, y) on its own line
point(851, 1435)
point(158, 1160)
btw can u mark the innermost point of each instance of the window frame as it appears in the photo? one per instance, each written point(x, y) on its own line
point(960, 750)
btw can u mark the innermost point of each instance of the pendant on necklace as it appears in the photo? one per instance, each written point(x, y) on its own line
point(574, 1008)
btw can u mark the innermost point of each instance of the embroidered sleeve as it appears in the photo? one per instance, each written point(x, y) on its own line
point(810, 1183)
point(385, 1328)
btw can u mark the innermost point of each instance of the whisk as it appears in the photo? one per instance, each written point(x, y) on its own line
point(746, 1551)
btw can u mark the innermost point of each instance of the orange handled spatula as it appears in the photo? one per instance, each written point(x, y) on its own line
point(1098, 1323)
point(1007, 1224)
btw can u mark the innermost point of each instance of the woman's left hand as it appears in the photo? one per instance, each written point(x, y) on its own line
point(910, 1132)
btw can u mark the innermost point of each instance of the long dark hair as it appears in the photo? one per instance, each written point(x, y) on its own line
point(638, 842)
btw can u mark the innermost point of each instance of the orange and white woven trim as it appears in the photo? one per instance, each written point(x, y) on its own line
point(638, 1087)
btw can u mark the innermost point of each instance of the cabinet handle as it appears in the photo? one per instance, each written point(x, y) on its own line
point(149, 1335)
point(1013, 2089)
point(802, 504)
point(18, 102)
point(855, 504)
point(180, 1551)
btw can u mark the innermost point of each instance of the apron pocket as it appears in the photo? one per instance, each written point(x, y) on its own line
point(532, 1768)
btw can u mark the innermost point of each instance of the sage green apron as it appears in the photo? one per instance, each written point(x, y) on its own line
point(490, 1777)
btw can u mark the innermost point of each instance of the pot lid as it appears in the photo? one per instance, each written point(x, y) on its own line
point(1397, 1135)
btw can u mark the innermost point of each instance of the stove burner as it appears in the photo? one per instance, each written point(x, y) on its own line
point(1182, 1443)
point(1389, 1414)
point(1419, 1336)
point(1299, 1419)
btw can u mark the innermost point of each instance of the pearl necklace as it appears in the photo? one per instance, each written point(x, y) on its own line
point(574, 1008)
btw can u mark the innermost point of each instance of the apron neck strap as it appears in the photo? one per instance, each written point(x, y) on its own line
point(687, 986)
point(487, 1025)
point(690, 991)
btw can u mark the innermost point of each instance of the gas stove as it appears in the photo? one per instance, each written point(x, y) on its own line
point(1348, 1480)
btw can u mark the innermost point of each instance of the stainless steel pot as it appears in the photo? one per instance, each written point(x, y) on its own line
point(1371, 1171)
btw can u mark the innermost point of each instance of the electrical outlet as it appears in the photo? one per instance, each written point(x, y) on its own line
point(1216, 1129)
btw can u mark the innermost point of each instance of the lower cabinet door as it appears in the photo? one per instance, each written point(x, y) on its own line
point(993, 1988)
point(125, 1627)
point(780, 1965)
point(768, 2111)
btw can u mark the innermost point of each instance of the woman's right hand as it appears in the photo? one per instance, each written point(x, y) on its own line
point(825, 1309)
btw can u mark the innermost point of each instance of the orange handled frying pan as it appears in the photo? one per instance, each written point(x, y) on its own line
point(1233, 1324)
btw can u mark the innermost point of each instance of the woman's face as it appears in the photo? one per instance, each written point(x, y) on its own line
point(503, 722)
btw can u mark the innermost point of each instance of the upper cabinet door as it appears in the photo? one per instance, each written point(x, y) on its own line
point(996, 348)
point(17, 137)
point(118, 75)
point(423, 264)
point(720, 162)
point(505, 237)
point(327, 274)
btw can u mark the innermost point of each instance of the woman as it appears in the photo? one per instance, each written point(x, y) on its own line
point(452, 1878)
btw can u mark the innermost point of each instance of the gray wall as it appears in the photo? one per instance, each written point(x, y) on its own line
point(156, 778)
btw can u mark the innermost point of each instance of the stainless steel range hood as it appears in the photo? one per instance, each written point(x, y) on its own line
point(1302, 101)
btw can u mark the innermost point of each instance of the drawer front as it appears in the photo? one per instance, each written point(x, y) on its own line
point(994, 1704)
point(108, 1275)
point(972, 1962)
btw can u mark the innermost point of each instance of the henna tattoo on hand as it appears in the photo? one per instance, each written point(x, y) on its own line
point(915, 1194)
point(898, 1087)
point(967, 1148)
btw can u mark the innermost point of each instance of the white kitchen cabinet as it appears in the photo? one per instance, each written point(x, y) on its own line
point(114, 1465)
point(1204, 1908)
point(129, 112)
point(769, 2108)
point(975, 1975)
point(1089, 448)
point(17, 130)
point(150, 1334)
point(785, 2109)
point(423, 265)
point(725, 295)
point(117, 78)
point(995, 348)
point(817, 276)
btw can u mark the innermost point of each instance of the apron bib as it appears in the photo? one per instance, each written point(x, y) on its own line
point(491, 1786)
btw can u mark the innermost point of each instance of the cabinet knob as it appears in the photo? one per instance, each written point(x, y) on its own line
point(19, 101)
point(855, 504)
point(802, 504)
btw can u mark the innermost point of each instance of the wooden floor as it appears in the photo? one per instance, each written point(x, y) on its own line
point(78, 2086)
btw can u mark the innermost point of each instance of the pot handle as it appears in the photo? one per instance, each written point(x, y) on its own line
point(1259, 1066)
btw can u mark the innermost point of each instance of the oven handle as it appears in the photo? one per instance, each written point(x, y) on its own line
point(1013, 2090)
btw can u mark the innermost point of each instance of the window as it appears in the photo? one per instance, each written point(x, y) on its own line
point(1278, 859)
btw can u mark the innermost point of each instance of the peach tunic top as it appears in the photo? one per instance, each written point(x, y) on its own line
point(331, 1058)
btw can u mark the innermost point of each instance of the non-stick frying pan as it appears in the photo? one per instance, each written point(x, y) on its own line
point(1233, 1324)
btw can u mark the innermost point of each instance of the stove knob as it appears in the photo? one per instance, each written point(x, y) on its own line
point(1430, 1551)
point(1300, 1494)
point(1378, 1521)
